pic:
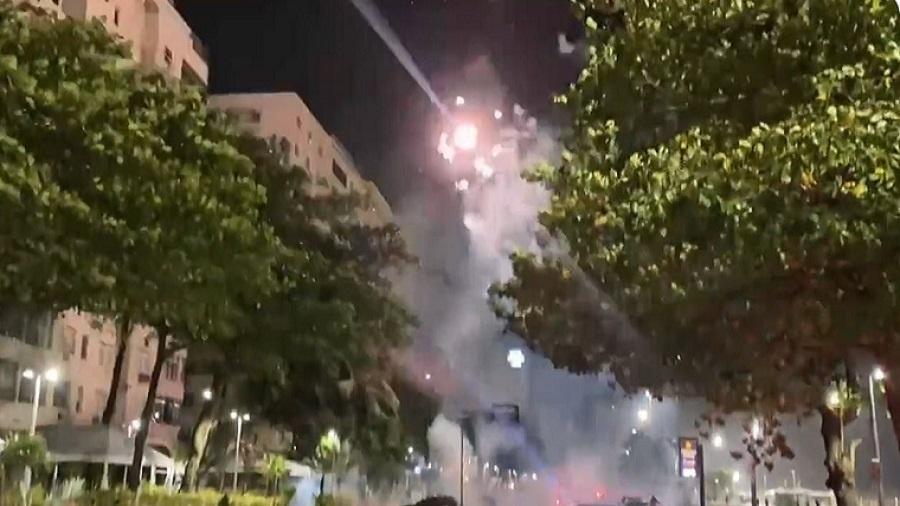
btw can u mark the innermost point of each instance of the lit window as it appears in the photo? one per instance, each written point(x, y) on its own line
point(168, 57)
point(116, 17)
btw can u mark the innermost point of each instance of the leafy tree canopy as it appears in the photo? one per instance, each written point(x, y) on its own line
point(125, 194)
point(729, 187)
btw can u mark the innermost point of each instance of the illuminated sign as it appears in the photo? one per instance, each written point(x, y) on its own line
point(688, 455)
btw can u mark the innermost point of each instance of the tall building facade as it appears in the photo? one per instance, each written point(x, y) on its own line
point(285, 119)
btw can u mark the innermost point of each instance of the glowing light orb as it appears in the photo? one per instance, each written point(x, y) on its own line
point(878, 374)
point(643, 415)
point(516, 358)
point(460, 101)
point(834, 399)
point(462, 185)
point(469, 221)
point(483, 169)
point(498, 114)
point(465, 137)
point(718, 441)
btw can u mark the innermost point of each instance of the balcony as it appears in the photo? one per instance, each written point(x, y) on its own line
point(17, 415)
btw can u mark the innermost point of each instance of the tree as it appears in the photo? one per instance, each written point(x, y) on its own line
point(311, 344)
point(724, 206)
point(157, 219)
point(275, 469)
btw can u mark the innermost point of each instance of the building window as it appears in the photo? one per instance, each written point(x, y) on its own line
point(339, 173)
point(100, 397)
point(299, 123)
point(168, 57)
point(61, 395)
point(244, 115)
point(79, 399)
point(116, 17)
point(309, 137)
point(166, 410)
point(171, 370)
point(9, 372)
point(321, 151)
point(27, 326)
point(84, 347)
point(296, 150)
point(70, 344)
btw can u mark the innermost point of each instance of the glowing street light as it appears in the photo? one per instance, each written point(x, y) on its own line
point(410, 450)
point(498, 114)
point(833, 399)
point(515, 358)
point(877, 375)
point(207, 394)
point(736, 477)
point(643, 415)
point(465, 136)
point(240, 418)
point(460, 101)
point(51, 375)
point(717, 440)
point(427, 376)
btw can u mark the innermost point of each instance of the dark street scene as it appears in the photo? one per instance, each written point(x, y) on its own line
point(450, 252)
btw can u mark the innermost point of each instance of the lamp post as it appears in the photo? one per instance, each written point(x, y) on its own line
point(878, 375)
point(51, 375)
point(240, 418)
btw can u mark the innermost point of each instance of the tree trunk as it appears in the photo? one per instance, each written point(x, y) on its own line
point(140, 440)
point(892, 396)
point(123, 332)
point(840, 480)
point(206, 423)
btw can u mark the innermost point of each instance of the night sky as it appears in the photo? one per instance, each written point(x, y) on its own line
point(324, 51)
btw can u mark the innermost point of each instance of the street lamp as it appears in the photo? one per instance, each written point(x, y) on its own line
point(736, 477)
point(515, 358)
point(643, 415)
point(51, 375)
point(207, 394)
point(718, 441)
point(240, 418)
point(877, 375)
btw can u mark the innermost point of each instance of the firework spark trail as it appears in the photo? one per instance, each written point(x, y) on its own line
point(378, 23)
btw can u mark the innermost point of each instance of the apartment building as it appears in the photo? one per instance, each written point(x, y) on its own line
point(304, 142)
point(30, 341)
point(89, 351)
point(159, 37)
